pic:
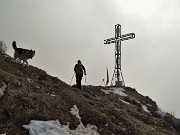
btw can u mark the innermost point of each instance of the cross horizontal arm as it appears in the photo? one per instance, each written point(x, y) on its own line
point(109, 41)
point(127, 36)
point(121, 38)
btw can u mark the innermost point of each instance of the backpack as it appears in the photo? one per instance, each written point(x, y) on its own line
point(79, 68)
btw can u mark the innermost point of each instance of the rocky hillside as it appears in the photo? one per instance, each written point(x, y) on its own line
point(28, 93)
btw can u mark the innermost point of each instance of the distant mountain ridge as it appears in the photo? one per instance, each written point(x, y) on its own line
point(30, 93)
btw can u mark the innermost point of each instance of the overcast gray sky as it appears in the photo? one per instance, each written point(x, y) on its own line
point(63, 31)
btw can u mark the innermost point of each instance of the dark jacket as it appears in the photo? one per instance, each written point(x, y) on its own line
point(79, 68)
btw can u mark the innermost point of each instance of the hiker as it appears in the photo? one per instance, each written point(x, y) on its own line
point(78, 69)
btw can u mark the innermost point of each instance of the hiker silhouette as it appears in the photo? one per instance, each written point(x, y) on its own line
point(79, 69)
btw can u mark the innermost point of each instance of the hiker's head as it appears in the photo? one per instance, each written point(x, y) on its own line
point(78, 61)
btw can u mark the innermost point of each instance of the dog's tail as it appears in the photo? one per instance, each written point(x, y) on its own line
point(14, 45)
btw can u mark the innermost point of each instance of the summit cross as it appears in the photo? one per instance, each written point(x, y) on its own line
point(117, 79)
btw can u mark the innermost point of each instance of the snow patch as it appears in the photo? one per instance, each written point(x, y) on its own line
point(160, 113)
point(136, 101)
point(75, 111)
point(145, 109)
point(124, 102)
point(118, 91)
point(55, 128)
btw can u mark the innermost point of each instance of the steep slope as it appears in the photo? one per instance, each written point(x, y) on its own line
point(32, 94)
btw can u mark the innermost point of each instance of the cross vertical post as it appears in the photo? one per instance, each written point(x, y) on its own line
point(117, 79)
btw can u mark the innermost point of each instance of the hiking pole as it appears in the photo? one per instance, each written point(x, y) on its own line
point(85, 80)
point(72, 78)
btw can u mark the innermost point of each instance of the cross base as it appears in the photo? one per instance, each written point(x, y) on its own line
point(117, 81)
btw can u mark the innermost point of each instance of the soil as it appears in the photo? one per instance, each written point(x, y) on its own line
point(32, 94)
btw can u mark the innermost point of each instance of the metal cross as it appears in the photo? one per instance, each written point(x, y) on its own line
point(117, 79)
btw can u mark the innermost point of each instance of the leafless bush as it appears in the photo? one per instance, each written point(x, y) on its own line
point(3, 47)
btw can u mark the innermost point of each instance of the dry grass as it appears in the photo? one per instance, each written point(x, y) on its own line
point(25, 101)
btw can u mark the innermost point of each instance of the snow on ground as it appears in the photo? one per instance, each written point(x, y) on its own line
point(124, 102)
point(118, 91)
point(55, 128)
point(144, 108)
point(160, 113)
